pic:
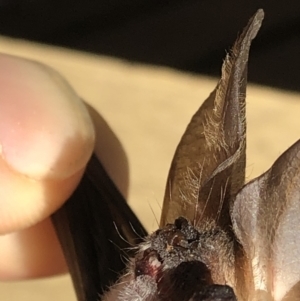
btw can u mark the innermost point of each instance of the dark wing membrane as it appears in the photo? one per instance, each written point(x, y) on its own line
point(266, 220)
point(209, 163)
point(94, 226)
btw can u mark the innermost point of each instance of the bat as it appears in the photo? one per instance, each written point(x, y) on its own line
point(220, 239)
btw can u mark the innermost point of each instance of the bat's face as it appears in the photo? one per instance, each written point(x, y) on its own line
point(183, 262)
point(219, 239)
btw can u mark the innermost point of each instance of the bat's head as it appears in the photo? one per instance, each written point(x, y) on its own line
point(183, 261)
point(233, 241)
point(219, 239)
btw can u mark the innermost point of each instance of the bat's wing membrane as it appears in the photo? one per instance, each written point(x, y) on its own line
point(209, 164)
point(266, 220)
point(93, 226)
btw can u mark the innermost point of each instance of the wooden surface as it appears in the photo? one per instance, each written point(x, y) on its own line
point(148, 108)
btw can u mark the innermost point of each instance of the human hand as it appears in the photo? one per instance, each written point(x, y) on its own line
point(46, 138)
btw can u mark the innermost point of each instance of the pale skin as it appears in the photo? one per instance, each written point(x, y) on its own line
point(46, 138)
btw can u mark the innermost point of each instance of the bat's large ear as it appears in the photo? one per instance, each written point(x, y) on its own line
point(266, 220)
point(209, 163)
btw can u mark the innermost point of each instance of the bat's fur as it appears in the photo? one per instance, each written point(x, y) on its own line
point(165, 254)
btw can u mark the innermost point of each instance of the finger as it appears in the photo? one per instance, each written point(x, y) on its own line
point(46, 138)
point(31, 253)
point(35, 251)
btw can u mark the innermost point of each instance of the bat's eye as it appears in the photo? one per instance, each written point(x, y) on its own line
point(157, 232)
point(181, 223)
point(187, 228)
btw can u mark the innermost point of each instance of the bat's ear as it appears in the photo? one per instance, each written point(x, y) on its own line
point(209, 163)
point(266, 220)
